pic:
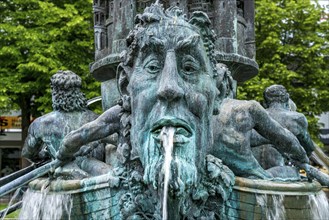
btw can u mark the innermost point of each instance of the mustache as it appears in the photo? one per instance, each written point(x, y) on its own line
point(163, 111)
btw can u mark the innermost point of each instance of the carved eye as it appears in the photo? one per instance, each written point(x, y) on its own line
point(152, 67)
point(190, 66)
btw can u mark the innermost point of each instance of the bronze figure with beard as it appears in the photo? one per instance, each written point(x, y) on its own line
point(171, 84)
point(169, 74)
point(69, 113)
point(169, 78)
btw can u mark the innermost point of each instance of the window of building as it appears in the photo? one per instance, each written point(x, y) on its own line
point(97, 18)
point(102, 21)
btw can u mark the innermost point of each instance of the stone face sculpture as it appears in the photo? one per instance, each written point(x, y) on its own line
point(182, 137)
point(171, 83)
point(168, 79)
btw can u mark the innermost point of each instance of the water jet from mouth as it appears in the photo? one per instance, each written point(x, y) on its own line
point(167, 140)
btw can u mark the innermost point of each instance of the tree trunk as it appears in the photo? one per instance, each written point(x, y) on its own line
point(26, 120)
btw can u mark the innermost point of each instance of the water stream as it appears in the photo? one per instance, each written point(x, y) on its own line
point(44, 205)
point(167, 139)
point(319, 206)
point(272, 205)
point(13, 198)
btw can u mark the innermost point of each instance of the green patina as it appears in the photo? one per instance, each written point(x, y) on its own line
point(170, 76)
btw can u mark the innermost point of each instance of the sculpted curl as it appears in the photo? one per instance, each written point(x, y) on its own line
point(66, 94)
point(199, 22)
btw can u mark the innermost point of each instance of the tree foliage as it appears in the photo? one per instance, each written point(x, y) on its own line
point(292, 50)
point(38, 38)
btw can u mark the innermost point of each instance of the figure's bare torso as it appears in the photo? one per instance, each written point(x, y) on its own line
point(235, 124)
point(50, 129)
point(296, 123)
point(232, 130)
point(293, 121)
point(59, 124)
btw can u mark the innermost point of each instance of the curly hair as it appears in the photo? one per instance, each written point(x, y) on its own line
point(199, 22)
point(138, 37)
point(66, 94)
point(276, 93)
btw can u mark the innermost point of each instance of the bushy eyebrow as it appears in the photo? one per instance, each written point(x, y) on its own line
point(190, 45)
point(153, 42)
point(189, 42)
point(160, 44)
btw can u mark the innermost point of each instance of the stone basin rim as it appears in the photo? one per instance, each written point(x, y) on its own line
point(241, 184)
point(72, 186)
point(276, 187)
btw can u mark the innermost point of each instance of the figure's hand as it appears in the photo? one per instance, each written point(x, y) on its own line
point(84, 150)
point(301, 157)
point(43, 155)
point(305, 159)
point(62, 155)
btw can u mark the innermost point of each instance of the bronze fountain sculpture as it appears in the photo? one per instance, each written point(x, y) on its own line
point(184, 148)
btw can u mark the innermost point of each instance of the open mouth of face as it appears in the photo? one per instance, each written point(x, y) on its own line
point(183, 131)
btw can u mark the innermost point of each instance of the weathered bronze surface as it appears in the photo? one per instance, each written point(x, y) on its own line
point(231, 21)
point(70, 112)
point(174, 76)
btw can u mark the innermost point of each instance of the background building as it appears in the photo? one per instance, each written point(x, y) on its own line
point(232, 22)
point(10, 143)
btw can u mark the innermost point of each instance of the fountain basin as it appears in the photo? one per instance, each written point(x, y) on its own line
point(92, 198)
point(96, 198)
point(263, 199)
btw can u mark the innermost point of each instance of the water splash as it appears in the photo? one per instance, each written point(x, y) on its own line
point(13, 198)
point(319, 206)
point(43, 205)
point(167, 138)
point(272, 205)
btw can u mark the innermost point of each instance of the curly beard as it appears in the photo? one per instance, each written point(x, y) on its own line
point(183, 170)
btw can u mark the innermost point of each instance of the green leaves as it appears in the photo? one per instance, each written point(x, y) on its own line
point(38, 38)
point(292, 50)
